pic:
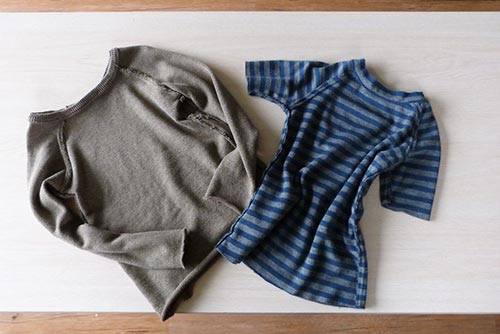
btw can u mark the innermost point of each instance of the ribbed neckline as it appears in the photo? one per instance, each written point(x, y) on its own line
point(371, 83)
point(59, 114)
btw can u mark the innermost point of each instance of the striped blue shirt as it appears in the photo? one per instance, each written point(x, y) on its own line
point(343, 129)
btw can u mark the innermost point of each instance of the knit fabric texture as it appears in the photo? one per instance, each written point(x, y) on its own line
point(343, 129)
point(149, 169)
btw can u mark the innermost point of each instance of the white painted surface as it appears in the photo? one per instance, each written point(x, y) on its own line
point(451, 264)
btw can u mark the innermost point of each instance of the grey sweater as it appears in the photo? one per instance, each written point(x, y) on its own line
point(150, 169)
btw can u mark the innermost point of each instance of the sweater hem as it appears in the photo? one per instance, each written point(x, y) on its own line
point(173, 301)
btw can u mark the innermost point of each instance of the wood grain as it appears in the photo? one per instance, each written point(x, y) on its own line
point(109, 323)
point(254, 5)
point(333, 323)
point(69, 323)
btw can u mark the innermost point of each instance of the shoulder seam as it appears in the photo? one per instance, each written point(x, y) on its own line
point(144, 76)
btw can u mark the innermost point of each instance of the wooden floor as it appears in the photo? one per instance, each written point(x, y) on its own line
point(249, 5)
point(109, 323)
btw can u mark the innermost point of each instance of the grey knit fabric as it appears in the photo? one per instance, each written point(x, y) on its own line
point(150, 169)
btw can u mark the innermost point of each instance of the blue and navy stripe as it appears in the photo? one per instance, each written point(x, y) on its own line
point(343, 129)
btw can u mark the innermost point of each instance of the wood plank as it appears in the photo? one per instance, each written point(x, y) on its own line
point(253, 5)
point(109, 323)
point(333, 323)
point(72, 323)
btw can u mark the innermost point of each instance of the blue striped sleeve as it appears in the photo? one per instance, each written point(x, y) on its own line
point(410, 186)
point(284, 82)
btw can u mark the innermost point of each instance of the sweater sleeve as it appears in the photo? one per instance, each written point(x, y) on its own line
point(234, 181)
point(59, 211)
point(410, 186)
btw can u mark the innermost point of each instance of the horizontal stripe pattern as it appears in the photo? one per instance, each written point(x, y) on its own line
point(343, 128)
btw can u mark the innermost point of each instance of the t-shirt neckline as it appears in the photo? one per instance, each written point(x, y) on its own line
point(370, 82)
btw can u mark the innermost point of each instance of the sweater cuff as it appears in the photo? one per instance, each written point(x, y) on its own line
point(230, 183)
point(177, 250)
point(169, 250)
